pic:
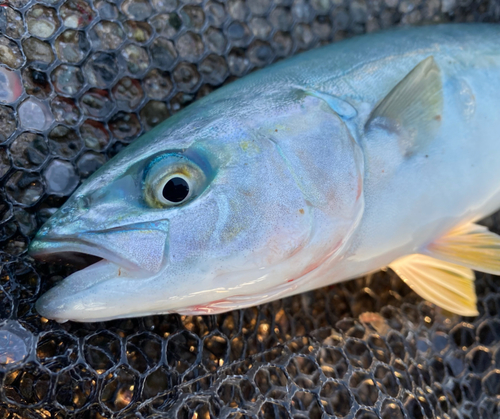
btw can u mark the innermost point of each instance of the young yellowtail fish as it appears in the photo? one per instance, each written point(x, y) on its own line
point(379, 151)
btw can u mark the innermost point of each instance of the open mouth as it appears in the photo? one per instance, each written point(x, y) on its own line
point(78, 252)
point(74, 260)
point(113, 261)
point(96, 265)
point(138, 248)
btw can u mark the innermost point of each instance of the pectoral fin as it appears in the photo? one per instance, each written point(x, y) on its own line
point(413, 108)
point(445, 284)
point(471, 245)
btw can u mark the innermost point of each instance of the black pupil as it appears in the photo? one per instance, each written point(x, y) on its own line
point(176, 190)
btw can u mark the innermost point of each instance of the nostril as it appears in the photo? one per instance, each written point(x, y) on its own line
point(82, 202)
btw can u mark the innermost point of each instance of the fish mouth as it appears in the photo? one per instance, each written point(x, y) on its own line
point(45, 249)
point(130, 254)
point(61, 303)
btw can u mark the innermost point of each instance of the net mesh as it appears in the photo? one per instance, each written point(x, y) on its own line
point(79, 80)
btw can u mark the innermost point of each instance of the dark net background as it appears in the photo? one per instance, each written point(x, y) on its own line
point(79, 80)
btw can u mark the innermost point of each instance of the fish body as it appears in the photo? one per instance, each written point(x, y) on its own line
point(378, 151)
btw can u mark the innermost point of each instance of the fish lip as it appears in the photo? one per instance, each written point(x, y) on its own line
point(69, 299)
point(43, 246)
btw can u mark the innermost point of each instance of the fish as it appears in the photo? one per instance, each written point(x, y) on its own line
point(377, 152)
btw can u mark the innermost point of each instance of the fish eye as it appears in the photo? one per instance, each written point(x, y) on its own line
point(172, 180)
point(175, 190)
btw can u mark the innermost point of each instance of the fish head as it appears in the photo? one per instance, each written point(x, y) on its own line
point(212, 210)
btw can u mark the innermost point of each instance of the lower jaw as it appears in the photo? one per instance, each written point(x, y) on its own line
point(67, 300)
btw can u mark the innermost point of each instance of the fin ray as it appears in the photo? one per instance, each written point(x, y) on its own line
point(413, 108)
point(445, 284)
point(470, 245)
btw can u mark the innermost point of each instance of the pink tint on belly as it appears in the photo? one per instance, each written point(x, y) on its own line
point(360, 187)
point(209, 308)
point(317, 264)
point(212, 307)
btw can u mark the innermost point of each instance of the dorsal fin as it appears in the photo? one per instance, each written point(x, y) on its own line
point(413, 108)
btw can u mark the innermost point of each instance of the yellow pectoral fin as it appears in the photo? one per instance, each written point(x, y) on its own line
point(470, 245)
point(445, 284)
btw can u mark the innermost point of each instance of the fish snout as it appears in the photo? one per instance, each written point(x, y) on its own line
point(58, 230)
point(55, 231)
point(67, 221)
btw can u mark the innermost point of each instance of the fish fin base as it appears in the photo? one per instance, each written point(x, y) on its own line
point(470, 245)
point(445, 284)
point(413, 108)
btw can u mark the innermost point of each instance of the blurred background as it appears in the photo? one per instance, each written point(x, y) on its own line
point(81, 79)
